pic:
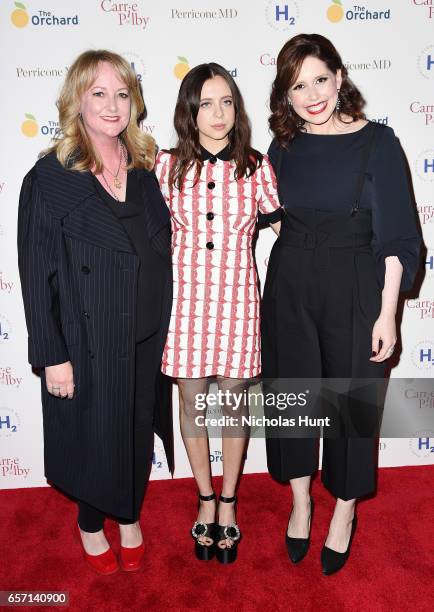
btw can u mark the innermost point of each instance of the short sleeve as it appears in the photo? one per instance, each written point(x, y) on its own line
point(394, 217)
point(266, 195)
point(161, 169)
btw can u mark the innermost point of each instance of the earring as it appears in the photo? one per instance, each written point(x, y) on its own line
point(338, 102)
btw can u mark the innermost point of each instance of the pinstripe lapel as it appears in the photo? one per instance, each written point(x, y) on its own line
point(94, 222)
point(72, 197)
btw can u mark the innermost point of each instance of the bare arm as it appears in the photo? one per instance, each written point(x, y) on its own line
point(385, 326)
point(276, 227)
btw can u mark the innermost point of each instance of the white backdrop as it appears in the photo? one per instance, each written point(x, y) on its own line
point(388, 46)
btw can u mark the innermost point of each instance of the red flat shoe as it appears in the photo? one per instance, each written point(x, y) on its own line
point(132, 558)
point(106, 563)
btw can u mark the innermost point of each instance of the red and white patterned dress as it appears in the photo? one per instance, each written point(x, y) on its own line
point(214, 326)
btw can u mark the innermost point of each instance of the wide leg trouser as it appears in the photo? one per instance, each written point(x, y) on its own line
point(319, 307)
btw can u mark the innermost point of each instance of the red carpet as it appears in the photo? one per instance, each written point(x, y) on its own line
point(391, 566)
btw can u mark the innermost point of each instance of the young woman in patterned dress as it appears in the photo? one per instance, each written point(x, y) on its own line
point(215, 184)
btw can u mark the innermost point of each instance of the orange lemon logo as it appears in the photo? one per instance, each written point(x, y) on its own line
point(335, 12)
point(181, 68)
point(20, 17)
point(29, 127)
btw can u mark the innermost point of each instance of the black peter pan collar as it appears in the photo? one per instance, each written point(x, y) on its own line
point(223, 155)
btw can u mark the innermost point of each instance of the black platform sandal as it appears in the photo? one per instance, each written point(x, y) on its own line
point(227, 532)
point(204, 552)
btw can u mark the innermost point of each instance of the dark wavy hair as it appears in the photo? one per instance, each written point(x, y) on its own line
point(283, 121)
point(187, 151)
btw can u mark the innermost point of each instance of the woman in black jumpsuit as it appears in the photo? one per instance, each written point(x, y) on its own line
point(348, 243)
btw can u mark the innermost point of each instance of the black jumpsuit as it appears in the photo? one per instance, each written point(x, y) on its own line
point(322, 294)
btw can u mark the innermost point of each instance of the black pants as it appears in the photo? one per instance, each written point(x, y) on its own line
point(92, 519)
point(320, 302)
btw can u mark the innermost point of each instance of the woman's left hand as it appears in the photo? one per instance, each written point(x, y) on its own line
point(384, 330)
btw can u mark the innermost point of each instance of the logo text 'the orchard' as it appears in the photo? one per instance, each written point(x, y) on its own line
point(21, 18)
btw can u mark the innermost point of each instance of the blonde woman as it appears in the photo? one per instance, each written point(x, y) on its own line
point(94, 257)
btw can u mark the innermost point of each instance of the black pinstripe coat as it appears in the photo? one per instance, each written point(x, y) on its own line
point(79, 276)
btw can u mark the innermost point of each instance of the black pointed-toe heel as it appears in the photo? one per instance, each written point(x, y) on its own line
point(333, 561)
point(297, 547)
point(227, 532)
point(204, 552)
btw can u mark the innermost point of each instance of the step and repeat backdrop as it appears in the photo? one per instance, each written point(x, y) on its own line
point(388, 48)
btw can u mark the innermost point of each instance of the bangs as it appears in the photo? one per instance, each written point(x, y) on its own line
point(86, 71)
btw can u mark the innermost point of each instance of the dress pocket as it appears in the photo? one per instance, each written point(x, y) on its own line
point(271, 279)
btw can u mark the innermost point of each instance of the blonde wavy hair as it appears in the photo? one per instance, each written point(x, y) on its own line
point(72, 145)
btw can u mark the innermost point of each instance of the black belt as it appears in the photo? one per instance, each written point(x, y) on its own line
point(312, 240)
